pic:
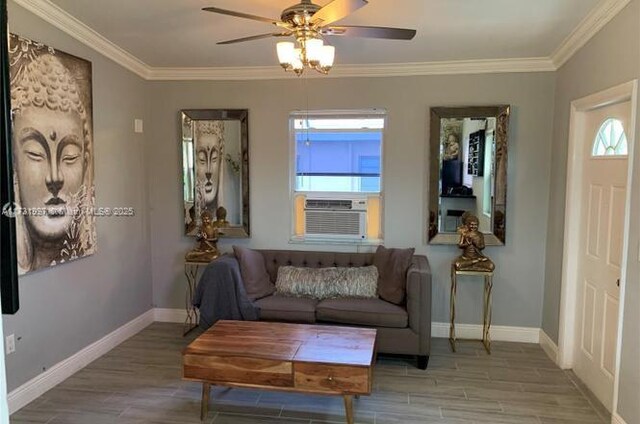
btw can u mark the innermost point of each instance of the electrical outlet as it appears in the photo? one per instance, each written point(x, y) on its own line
point(10, 344)
point(138, 126)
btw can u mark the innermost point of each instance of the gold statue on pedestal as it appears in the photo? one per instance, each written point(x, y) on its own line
point(207, 237)
point(472, 243)
point(221, 217)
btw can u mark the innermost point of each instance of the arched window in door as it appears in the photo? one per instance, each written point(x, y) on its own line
point(611, 139)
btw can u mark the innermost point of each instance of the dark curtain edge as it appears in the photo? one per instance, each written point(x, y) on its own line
point(8, 255)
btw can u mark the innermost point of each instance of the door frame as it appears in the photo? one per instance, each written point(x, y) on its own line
point(573, 212)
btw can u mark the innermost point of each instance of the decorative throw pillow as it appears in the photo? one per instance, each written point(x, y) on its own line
point(357, 282)
point(392, 267)
point(327, 283)
point(254, 273)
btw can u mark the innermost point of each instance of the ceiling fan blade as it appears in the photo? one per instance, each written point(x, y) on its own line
point(370, 32)
point(254, 37)
point(240, 15)
point(337, 10)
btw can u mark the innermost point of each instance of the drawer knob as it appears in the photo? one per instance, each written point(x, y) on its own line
point(330, 378)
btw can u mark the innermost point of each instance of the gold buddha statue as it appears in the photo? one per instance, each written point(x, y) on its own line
point(472, 243)
point(207, 238)
point(221, 217)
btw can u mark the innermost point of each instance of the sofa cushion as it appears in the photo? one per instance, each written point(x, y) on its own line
point(281, 308)
point(373, 312)
point(392, 267)
point(327, 283)
point(254, 273)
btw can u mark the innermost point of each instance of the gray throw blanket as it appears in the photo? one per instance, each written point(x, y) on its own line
point(220, 294)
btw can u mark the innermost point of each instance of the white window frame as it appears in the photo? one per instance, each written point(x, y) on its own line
point(607, 156)
point(374, 113)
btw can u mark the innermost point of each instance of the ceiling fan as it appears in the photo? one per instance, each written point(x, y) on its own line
point(309, 23)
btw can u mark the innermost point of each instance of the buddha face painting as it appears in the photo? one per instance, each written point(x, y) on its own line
point(50, 163)
point(52, 155)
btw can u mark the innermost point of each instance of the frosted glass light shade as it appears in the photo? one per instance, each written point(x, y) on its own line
point(314, 50)
point(296, 62)
point(286, 53)
point(328, 56)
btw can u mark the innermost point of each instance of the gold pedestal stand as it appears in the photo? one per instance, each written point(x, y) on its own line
point(488, 285)
point(191, 272)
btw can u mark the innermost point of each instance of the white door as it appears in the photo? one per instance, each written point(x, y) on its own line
point(604, 193)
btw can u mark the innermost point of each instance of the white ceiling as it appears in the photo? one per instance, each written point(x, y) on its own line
point(176, 33)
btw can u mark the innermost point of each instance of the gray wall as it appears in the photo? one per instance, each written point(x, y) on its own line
point(629, 385)
point(610, 58)
point(68, 307)
point(4, 407)
point(520, 264)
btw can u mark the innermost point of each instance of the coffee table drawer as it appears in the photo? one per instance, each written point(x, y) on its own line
point(240, 370)
point(332, 378)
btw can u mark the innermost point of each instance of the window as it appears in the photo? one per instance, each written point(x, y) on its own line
point(369, 165)
point(338, 153)
point(611, 139)
point(337, 157)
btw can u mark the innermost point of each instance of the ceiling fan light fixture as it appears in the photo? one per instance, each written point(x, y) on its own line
point(286, 53)
point(297, 65)
point(314, 49)
point(327, 58)
point(308, 22)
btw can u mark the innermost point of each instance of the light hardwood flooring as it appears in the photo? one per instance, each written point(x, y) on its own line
point(140, 382)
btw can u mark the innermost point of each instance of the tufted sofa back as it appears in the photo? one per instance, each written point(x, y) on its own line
point(276, 258)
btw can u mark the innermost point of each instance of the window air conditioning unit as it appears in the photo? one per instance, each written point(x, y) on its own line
point(342, 218)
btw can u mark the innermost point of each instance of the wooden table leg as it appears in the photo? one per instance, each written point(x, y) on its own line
point(348, 407)
point(204, 407)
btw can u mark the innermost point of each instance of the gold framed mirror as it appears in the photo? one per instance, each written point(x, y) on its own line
point(468, 171)
point(215, 168)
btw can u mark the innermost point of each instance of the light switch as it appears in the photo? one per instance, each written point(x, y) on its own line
point(137, 126)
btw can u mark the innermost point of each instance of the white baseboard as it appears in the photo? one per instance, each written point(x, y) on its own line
point(55, 375)
point(549, 346)
point(169, 315)
point(438, 329)
point(617, 419)
point(499, 333)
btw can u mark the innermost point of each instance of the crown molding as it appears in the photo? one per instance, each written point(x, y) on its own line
point(81, 32)
point(617, 419)
point(62, 20)
point(601, 15)
point(364, 70)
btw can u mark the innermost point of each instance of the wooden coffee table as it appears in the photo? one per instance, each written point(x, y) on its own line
point(285, 357)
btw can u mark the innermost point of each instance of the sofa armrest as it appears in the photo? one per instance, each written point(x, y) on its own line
point(419, 301)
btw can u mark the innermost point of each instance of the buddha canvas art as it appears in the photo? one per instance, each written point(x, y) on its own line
point(51, 103)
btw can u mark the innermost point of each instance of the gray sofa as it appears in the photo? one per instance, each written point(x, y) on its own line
point(402, 329)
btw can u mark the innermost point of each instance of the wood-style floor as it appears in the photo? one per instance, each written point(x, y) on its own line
point(140, 382)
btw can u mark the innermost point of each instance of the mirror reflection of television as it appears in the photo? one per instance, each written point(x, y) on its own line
point(8, 262)
point(451, 175)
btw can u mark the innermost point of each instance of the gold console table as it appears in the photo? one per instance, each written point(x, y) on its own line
point(488, 286)
point(191, 273)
